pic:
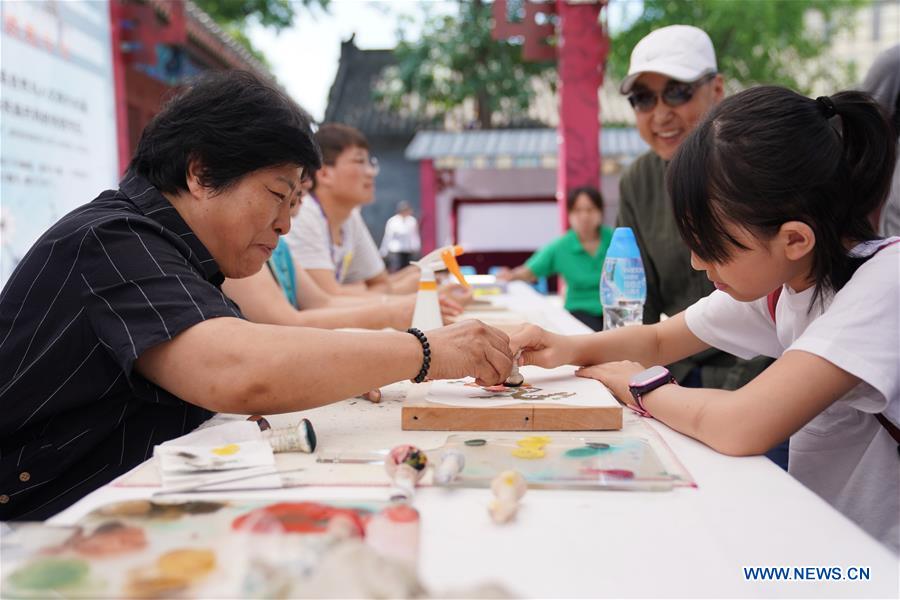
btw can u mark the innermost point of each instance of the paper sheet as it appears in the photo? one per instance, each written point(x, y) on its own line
point(542, 386)
point(221, 453)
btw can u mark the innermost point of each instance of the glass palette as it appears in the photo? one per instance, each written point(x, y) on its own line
point(599, 460)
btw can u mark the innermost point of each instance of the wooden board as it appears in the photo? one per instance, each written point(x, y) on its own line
point(431, 416)
point(549, 400)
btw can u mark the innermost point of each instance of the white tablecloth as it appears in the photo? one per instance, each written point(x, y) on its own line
point(745, 512)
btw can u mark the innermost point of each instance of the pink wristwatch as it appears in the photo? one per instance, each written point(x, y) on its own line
point(645, 382)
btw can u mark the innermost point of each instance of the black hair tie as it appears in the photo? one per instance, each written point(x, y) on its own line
point(826, 105)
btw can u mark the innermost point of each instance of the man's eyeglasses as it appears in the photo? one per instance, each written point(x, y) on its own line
point(362, 162)
point(675, 94)
point(370, 161)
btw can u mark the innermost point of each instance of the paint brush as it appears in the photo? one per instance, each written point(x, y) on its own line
point(515, 378)
point(199, 487)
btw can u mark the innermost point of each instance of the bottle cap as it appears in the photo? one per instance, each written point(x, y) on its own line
point(623, 244)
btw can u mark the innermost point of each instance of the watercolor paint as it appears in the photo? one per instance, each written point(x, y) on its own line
point(50, 573)
point(298, 517)
point(582, 452)
point(200, 549)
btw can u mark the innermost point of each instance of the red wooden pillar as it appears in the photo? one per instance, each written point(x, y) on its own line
point(118, 65)
point(427, 201)
point(581, 51)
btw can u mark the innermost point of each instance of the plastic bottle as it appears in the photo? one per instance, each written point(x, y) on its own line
point(623, 286)
point(427, 314)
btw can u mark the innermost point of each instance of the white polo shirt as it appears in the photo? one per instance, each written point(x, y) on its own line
point(355, 259)
point(843, 454)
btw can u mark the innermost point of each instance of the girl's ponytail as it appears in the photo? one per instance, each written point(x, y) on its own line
point(869, 156)
point(768, 155)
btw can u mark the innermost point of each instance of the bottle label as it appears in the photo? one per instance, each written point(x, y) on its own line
point(622, 282)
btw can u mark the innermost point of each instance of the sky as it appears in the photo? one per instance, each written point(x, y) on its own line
point(305, 57)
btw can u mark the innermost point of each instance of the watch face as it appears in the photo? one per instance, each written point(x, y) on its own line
point(649, 376)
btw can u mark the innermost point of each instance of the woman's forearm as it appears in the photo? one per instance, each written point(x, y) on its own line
point(363, 316)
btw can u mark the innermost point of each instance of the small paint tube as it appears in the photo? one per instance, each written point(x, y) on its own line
point(508, 488)
point(394, 532)
point(515, 378)
point(296, 438)
point(451, 465)
point(406, 465)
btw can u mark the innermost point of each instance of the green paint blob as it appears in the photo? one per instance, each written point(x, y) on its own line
point(50, 574)
point(582, 452)
point(476, 442)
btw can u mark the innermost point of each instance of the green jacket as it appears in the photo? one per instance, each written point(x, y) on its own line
point(566, 256)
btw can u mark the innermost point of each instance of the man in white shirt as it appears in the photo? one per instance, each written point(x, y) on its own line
point(401, 238)
point(329, 237)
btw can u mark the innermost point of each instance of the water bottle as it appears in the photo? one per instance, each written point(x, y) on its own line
point(623, 287)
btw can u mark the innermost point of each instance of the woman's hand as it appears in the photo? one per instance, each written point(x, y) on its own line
point(616, 376)
point(470, 348)
point(540, 347)
point(504, 274)
point(456, 294)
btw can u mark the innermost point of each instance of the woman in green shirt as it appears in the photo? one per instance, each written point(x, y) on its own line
point(577, 255)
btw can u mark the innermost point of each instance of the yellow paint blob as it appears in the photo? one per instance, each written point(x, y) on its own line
point(527, 452)
point(533, 441)
point(226, 450)
point(186, 563)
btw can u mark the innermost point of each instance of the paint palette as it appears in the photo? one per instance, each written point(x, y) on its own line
point(602, 460)
point(199, 549)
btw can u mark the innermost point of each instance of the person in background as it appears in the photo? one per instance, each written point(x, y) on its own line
point(283, 293)
point(401, 238)
point(329, 237)
point(577, 255)
point(772, 194)
point(672, 84)
point(883, 82)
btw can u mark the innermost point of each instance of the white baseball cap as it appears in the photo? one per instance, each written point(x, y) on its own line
point(682, 52)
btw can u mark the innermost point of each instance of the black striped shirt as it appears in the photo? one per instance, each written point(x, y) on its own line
point(105, 283)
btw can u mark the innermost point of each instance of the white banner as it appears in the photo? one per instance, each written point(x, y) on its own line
point(58, 126)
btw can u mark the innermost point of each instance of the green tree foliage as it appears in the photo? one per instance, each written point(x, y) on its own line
point(757, 41)
point(455, 60)
point(233, 16)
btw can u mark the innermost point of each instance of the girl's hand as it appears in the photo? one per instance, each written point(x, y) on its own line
point(616, 376)
point(540, 347)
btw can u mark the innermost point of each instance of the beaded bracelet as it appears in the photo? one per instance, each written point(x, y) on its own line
point(426, 351)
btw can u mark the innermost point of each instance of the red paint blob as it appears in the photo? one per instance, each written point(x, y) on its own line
point(299, 517)
point(613, 473)
point(401, 513)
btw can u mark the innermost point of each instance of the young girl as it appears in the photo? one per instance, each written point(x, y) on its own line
point(774, 191)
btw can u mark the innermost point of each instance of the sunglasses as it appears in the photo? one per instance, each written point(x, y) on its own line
point(675, 94)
